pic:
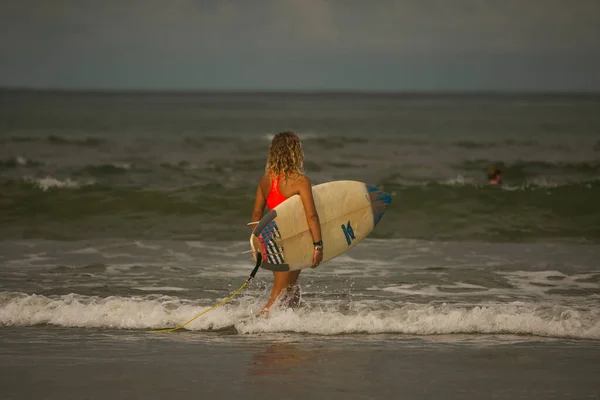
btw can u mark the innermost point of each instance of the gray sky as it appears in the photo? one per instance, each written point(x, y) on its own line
point(301, 44)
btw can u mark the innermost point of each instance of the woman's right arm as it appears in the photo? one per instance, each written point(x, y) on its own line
point(259, 204)
point(312, 217)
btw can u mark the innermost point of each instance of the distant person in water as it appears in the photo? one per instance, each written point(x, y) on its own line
point(283, 178)
point(494, 176)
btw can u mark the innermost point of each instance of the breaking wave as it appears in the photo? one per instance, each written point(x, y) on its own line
point(156, 311)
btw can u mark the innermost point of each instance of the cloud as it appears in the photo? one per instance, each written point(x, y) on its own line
point(209, 42)
point(474, 25)
point(411, 26)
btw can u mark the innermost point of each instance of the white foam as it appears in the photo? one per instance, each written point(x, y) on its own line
point(324, 318)
point(348, 271)
point(179, 256)
point(87, 250)
point(458, 181)
point(242, 271)
point(118, 270)
point(161, 289)
point(49, 182)
point(119, 165)
point(198, 245)
point(542, 281)
point(540, 182)
point(546, 285)
point(434, 290)
point(422, 319)
point(142, 245)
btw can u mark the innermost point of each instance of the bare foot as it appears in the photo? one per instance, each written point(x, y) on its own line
point(264, 313)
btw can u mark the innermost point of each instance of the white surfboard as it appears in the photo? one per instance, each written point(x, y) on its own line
point(348, 212)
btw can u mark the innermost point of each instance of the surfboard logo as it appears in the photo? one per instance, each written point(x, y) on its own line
point(348, 233)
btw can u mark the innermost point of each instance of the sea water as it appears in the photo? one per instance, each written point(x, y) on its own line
point(122, 213)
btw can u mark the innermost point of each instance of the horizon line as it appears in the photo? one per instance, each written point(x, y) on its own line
point(97, 90)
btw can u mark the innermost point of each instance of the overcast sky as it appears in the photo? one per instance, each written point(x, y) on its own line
point(301, 44)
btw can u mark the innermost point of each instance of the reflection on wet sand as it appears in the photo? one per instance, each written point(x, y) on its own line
point(279, 359)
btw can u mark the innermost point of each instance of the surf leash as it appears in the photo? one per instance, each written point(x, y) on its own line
point(254, 271)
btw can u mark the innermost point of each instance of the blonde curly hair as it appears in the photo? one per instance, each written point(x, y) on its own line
point(285, 155)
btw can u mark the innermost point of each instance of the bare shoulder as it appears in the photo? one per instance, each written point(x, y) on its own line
point(302, 182)
point(264, 180)
point(264, 183)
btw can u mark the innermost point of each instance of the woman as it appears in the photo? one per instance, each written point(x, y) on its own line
point(283, 178)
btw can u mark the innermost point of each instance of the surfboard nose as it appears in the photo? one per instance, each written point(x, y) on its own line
point(379, 202)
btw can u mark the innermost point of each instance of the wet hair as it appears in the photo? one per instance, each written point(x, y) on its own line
point(285, 155)
point(493, 172)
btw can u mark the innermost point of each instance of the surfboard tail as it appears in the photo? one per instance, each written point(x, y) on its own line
point(379, 202)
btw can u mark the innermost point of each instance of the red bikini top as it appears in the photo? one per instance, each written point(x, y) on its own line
point(274, 198)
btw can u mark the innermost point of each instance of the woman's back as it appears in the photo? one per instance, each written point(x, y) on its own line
point(277, 190)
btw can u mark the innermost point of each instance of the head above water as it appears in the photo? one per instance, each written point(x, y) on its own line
point(494, 175)
point(285, 155)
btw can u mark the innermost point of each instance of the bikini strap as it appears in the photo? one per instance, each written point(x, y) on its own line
point(275, 183)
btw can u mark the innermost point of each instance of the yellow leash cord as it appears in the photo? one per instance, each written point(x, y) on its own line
point(205, 311)
point(258, 262)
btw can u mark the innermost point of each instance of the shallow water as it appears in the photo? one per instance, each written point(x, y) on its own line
point(381, 286)
point(55, 363)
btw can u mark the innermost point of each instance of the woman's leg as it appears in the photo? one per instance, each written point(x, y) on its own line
point(281, 282)
point(292, 295)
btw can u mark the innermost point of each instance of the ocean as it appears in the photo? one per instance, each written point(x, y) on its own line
point(125, 212)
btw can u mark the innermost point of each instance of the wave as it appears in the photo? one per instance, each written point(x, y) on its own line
point(452, 210)
point(527, 169)
point(58, 140)
point(156, 311)
point(18, 162)
point(461, 210)
point(105, 169)
point(49, 182)
point(530, 184)
point(472, 144)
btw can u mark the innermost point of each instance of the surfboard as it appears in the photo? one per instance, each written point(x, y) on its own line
point(348, 212)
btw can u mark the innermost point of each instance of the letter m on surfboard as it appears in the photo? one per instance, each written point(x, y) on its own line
point(348, 233)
